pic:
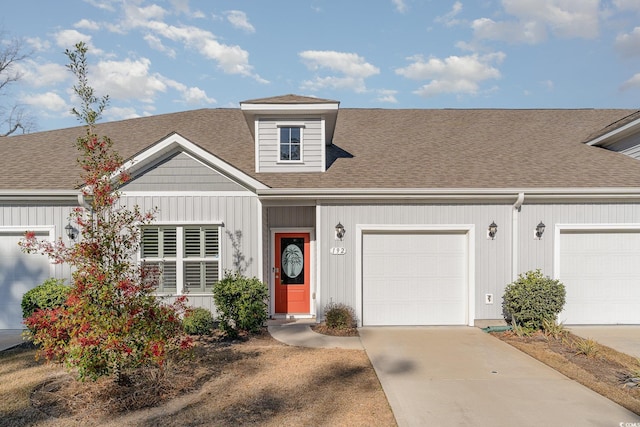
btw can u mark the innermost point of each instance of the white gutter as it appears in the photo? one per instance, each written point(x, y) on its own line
point(514, 235)
point(613, 193)
point(616, 134)
point(39, 195)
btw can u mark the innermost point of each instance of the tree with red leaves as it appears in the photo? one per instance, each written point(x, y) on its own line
point(112, 321)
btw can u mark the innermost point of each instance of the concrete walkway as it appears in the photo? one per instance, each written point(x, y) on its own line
point(461, 376)
point(623, 338)
point(10, 338)
point(300, 334)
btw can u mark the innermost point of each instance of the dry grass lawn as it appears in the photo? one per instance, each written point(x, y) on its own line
point(257, 381)
point(602, 369)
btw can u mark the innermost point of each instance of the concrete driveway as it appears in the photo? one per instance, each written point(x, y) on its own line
point(10, 338)
point(461, 376)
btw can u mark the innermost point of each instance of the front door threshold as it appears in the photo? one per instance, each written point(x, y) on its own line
point(292, 316)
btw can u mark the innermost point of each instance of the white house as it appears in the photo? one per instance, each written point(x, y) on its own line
point(388, 211)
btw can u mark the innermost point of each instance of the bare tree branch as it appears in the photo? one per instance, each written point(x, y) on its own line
point(12, 118)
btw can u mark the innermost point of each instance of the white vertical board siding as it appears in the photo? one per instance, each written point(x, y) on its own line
point(20, 272)
point(492, 270)
point(539, 254)
point(601, 271)
point(312, 146)
point(414, 278)
point(236, 213)
point(26, 215)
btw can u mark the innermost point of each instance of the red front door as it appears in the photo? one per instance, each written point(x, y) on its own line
point(292, 272)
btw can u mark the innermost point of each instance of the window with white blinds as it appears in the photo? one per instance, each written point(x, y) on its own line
point(186, 258)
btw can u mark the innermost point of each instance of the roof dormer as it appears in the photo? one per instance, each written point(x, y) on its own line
point(291, 132)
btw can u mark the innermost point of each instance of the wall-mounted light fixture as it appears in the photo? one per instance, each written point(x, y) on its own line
point(493, 229)
point(340, 231)
point(540, 230)
point(71, 232)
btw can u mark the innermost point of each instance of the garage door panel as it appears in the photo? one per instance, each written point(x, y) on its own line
point(414, 279)
point(19, 273)
point(601, 273)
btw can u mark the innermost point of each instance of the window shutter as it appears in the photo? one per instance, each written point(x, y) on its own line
point(210, 242)
point(150, 242)
point(192, 242)
point(170, 242)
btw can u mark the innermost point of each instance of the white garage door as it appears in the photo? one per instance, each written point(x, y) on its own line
point(414, 278)
point(18, 273)
point(601, 273)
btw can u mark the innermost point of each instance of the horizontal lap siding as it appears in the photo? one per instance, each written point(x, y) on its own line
point(312, 146)
point(181, 173)
point(629, 146)
point(492, 257)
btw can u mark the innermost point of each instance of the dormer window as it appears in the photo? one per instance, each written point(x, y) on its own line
point(290, 143)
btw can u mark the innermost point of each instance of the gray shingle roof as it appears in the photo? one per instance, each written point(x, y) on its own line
point(373, 148)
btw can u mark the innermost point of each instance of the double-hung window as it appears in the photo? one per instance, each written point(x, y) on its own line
point(290, 143)
point(187, 257)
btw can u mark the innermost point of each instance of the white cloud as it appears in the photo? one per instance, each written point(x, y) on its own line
point(632, 83)
point(547, 84)
point(87, 24)
point(67, 39)
point(354, 70)
point(633, 5)
point(156, 44)
point(197, 96)
point(230, 59)
point(182, 6)
point(120, 113)
point(401, 5)
point(629, 44)
point(239, 20)
point(49, 102)
point(535, 18)
point(449, 18)
point(38, 44)
point(455, 74)
point(350, 64)
point(39, 75)
point(387, 96)
point(191, 95)
point(127, 79)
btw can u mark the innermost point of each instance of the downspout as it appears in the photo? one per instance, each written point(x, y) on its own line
point(514, 235)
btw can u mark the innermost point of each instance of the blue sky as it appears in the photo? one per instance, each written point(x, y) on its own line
point(155, 57)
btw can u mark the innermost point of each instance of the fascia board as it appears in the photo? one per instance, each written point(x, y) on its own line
point(289, 108)
point(616, 134)
point(453, 193)
point(40, 195)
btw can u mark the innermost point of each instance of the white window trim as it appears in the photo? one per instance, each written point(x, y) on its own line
point(180, 259)
point(301, 126)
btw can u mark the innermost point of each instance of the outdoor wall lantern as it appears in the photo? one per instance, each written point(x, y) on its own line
point(340, 231)
point(493, 229)
point(71, 232)
point(540, 230)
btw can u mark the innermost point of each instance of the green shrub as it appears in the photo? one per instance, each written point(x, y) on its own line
point(52, 293)
point(339, 316)
point(241, 303)
point(532, 299)
point(198, 321)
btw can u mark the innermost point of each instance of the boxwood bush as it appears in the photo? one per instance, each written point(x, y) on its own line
point(241, 303)
point(51, 293)
point(533, 299)
point(198, 321)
